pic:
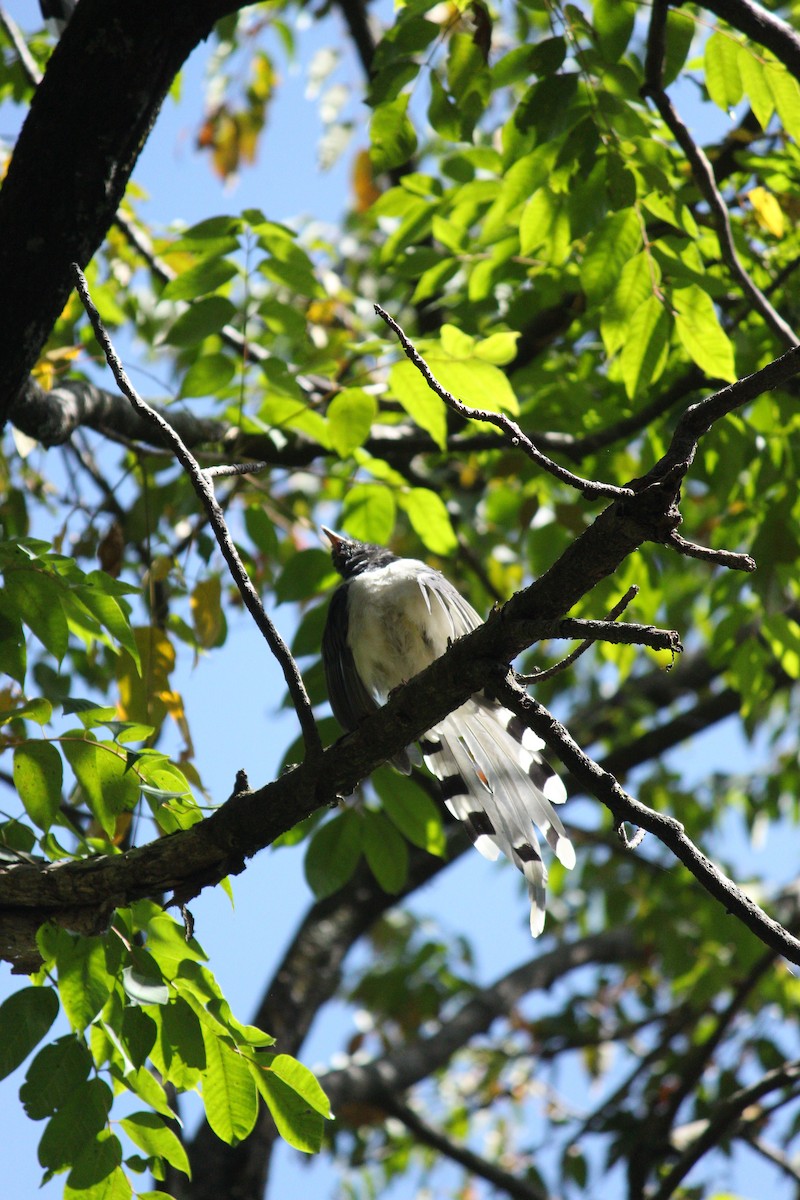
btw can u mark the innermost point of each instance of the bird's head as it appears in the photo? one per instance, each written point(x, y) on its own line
point(351, 557)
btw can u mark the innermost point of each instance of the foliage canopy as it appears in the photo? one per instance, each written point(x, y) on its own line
point(587, 273)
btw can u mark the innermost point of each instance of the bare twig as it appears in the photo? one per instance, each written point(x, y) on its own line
point(501, 1180)
point(557, 668)
point(727, 1113)
point(512, 431)
point(250, 468)
point(723, 558)
point(204, 489)
point(703, 175)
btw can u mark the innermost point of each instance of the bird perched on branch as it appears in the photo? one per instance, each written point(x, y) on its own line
point(388, 620)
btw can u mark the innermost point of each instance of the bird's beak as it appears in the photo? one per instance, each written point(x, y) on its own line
point(332, 537)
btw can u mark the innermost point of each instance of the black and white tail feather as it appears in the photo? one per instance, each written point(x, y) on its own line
point(390, 618)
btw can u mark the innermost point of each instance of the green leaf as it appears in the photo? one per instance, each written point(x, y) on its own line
point(150, 1133)
point(786, 93)
point(443, 113)
point(429, 519)
point(545, 225)
point(411, 810)
point(102, 771)
point(723, 79)
point(13, 652)
point(115, 1186)
point(38, 777)
point(701, 334)
point(84, 982)
point(95, 1165)
point(296, 1120)
point(680, 34)
point(53, 1075)
point(754, 72)
point(200, 320)
point(208, 375)
point(608, 249)
point(350, 416)
point(303, 575)
point(25, 1018)
point(36, 709)
point(613, 22)
point(108, 610)
point(228, 1091)
point(385, 850)
point(644, 354)
point(392, 137)
point(634, 286)
point(333, 854)
point(368, 512)
point(422, 405)
point(144, 989)
point(206, 276)
point(76, 1124)
point(304, 1082)
point(37, 601)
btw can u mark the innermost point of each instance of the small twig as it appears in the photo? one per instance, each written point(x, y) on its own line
point(27, 60)
point(234, 469)
point(501, 1180)
point(726, 1115)
point(513, 433)
point(204, 489)
point(703, 175)
point(630, 843)
point(723, 558)
point(557, 668)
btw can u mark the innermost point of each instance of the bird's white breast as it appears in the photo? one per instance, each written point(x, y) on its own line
point(395, 629)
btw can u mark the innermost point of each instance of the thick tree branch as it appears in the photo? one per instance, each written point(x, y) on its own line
point(87, 891)
point(396, 1072)
point(763, 27)
point(105, 83)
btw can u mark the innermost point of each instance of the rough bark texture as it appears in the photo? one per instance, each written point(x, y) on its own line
point(89, 119)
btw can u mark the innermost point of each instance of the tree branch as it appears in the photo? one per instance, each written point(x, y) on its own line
point(514, 435)
point(399, 1070)
point(670, 832)
point(703, 174)
point(501, 1181)
point(201, 482)
point(727, 1114)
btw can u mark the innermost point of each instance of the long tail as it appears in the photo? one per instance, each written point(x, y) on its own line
point(496, 782)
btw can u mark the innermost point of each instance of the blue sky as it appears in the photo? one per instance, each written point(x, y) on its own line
point(245, 942)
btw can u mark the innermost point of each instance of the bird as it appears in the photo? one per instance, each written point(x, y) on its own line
point(389, 619)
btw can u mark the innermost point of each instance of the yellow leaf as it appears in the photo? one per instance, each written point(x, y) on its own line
point(365, 192)
point(207, 618)
point(768, 211)
point(140, 696)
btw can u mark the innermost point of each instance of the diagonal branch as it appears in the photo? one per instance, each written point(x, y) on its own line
point(204, 488)
point(512, 431)
point(670, 832)
point(703, 174)
point(501, 1181)
point(399, 1070)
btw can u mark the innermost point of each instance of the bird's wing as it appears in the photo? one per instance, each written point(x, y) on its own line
point(461, 616)
point(350, 700)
